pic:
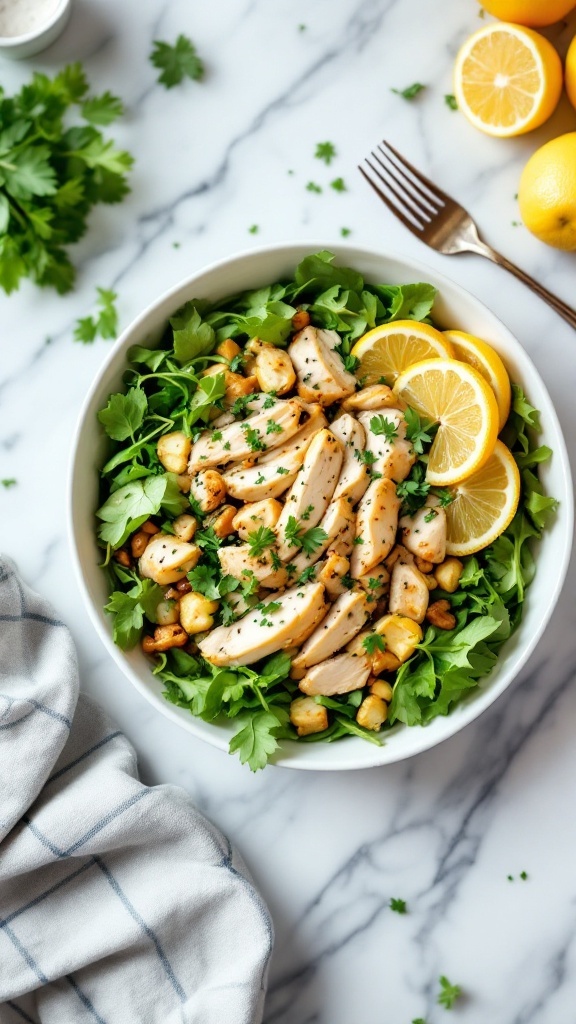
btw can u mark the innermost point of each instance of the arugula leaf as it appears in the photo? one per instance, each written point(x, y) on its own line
point(176, 61)
point(192, 336)
point(318, 273)
point(151, 357)
point(257, 740)
point(408, 301)
point(410, 91)
point(124, 414)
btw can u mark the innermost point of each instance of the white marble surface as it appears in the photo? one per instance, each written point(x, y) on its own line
point(444, 830)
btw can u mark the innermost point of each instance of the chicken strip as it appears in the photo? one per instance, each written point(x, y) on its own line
point(242, 565)
point(376, 525)
point(409, 593)
point(261, 431)
point(341, 674)
point(275, 472)
point(354, 478)
point(346, 618)
point(395, 455)
point(377, 396)
point(424, 533)
point(310, 494)
point(320, 370)
point(294, 615)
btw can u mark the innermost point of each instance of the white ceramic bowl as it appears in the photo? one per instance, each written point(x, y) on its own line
point(454, 308)
point(29, 43)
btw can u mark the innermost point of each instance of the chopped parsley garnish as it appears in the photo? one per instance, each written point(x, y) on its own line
point(345, 232)
point(450, 101)
point(307, 574)
point(269, 401)
point(240, 404)
point(307, 512)
point(176, 61)
point(261, 539)
point(524, 875)
point(371, 644)
point(216, 435)
point(448, 993)
point(313, 187)
point(8, 481)
point(251, 585)
point(272, 427)
point(227, 447)
point(253, 438)
point(276, 560)
point(253, 230)
point(445, 497)
point(358, 540)
point(236, 363)
point(380, 425)
point(367, 457)
point(282, 471)
point(399, 906)
point(325, 151)
point(410, 91)
point(308, 540)
point(339, 185)
point(430, 515)
point(414, 490)
point(419, 432)
point(260, 479)
point(374, 583)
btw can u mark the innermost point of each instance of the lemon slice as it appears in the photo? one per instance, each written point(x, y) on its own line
point(484, 504)
point(455, 396)
point(387, 350)
point(507, 79)
point(482, 357)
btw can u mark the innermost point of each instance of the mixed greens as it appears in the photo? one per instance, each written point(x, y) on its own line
point(166, 392)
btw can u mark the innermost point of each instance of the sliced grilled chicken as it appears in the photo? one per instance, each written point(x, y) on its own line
point(341, 674)
point(297, 613)
point(167, 559)
point(330, 572)
point(261, 431)
point(395, 457)
point(375, 582)
point(338, 524)
point(408, 592)
point(321, 374)
point(354, 478)
point(256, 514)
point(424, 533)
point(275, 472)
point(376, 525)
point(346, 618)
point(310, 494)
point(240, 563)
point(377, 396)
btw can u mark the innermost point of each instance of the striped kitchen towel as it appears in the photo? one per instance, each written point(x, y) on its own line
point(119, 903)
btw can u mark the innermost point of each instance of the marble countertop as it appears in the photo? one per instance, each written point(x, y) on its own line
point(444, 830)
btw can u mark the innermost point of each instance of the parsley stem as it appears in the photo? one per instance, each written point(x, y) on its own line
point(260, 695)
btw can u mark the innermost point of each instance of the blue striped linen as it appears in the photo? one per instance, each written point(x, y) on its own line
point(119, 903)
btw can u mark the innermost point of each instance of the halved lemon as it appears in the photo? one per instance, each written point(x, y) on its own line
point(507, 79)
point(455, 396)
point(479, 354)
point(387, 350)
point(484, 504)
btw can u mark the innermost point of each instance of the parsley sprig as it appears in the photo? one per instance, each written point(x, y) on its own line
point(55, 166)
point(308, 540)
point(176, 61)
point(261, 539)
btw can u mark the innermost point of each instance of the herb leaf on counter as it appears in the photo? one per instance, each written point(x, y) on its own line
point(410, 91)
point(448, 993)
point(52, 175)
point(105, 324)
point(325, 151)
point(177, 61)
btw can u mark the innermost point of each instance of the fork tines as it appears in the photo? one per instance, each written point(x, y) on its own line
point(407, 193)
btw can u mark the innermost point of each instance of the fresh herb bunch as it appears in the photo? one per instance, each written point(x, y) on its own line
point(52, 173)
point(167, 392)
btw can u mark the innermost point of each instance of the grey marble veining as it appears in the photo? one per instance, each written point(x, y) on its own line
point(444, 830)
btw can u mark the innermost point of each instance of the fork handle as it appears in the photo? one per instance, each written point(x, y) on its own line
point(552, 300)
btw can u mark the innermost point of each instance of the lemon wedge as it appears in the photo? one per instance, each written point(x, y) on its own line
point(387, 350)
point(484, 504)
point(457, 397)
point(482, 357)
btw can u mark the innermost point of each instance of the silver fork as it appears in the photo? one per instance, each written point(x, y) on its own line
point(436, 219)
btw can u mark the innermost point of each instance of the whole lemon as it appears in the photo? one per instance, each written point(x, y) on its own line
point(571, 72)
point(547, 193)
point(529, 12)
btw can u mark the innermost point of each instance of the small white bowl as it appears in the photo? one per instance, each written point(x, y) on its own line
point(454, 308)
point(26, 45)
